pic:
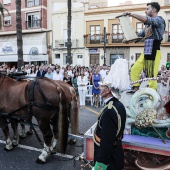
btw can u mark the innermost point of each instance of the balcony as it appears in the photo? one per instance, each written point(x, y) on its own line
point(98, 39)
point(33, 24)
point(32, 3)
point(63, 43)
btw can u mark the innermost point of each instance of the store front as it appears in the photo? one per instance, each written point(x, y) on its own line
point(34, 49)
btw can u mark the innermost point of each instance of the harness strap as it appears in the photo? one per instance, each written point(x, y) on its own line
point(36, 134)
point(41, 93)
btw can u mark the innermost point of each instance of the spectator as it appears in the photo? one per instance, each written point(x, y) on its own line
point(57, 75)
point(75, 82)
point(103, 71)
point(95, 89)
point(49, 73)
point(67, 78)
point(41, 72)
point(82, 89)
point(36, 69)
point(69, 71)
point(27, 69)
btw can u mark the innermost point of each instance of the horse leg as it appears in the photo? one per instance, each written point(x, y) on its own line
point(23, 133)
point(14, 125)
point(47, 136)
point(74, 118)
point(54, 123)
point(5, 129)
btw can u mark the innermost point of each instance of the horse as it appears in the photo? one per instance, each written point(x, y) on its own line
point(42, 99)
point(71, 104)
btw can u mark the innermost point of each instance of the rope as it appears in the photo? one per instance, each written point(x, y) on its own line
point(148, 79)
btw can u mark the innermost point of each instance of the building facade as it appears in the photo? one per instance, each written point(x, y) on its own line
point(34, 29)
point(98, 18)
point(59, 29)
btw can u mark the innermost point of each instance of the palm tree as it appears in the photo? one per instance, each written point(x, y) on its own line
point(2, 12)
point(69, 59)
point(19, 34)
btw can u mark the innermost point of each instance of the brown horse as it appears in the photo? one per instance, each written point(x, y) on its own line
point(44, 100)
point(71, 105)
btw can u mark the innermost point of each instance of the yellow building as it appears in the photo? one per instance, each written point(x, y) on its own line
point(88, 24)
point(98, 18)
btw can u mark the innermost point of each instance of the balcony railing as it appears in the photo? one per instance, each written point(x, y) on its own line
point(33, 24)
point(115, 38)
point(32, 3)
point(63, 43)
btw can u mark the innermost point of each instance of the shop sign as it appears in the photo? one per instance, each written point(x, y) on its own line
point(8, 48)
point(94, 50)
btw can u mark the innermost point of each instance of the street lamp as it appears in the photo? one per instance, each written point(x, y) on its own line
point(104, 41)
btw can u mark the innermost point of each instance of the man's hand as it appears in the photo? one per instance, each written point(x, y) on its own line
point(127, 13)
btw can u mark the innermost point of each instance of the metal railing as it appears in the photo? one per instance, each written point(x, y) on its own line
point(99, 39)
point(33, 24)
point(63, 43)
point(32, 3)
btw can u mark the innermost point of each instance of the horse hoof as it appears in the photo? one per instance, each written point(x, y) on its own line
point(72, 141)
point(38, 161)
point(22, 136)
point(54, 151)
point(14, 145)
point(29, 132)
point(7, 150)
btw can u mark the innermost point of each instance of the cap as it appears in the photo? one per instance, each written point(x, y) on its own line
point(106, 83)
point(114, 91)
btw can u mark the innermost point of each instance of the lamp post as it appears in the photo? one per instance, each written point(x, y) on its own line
point(105, 45)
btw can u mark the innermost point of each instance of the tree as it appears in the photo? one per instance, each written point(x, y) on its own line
point(19, 34)
point(2, 13)
point(69, 59)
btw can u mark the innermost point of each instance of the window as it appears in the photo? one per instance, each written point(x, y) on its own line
point(33, 20)
point(7, 20)
point(79, 56)
point(113, 57)
point(66, 59)
point(168, 57)
point(139, 27)
point(168, 30)
point(31, 3)
point(6, 1)
point(57, 59)
point(95, 34)
point(137, 55)
point(117, 33)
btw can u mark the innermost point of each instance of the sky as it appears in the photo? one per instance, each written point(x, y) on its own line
point(114, 3)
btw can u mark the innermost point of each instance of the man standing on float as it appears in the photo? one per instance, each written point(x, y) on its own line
point(153, 35)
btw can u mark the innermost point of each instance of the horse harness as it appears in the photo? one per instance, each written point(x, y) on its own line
point(46, 105)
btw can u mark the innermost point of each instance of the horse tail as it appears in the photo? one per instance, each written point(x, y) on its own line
point(63, 123)
point(74, 115)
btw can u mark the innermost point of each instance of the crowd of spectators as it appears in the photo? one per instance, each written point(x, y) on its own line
point(77, 76)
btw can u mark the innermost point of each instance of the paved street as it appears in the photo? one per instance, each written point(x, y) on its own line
point(24, 156)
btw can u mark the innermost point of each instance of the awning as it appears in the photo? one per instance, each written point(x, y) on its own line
point(34, 48)
point(26, 58)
